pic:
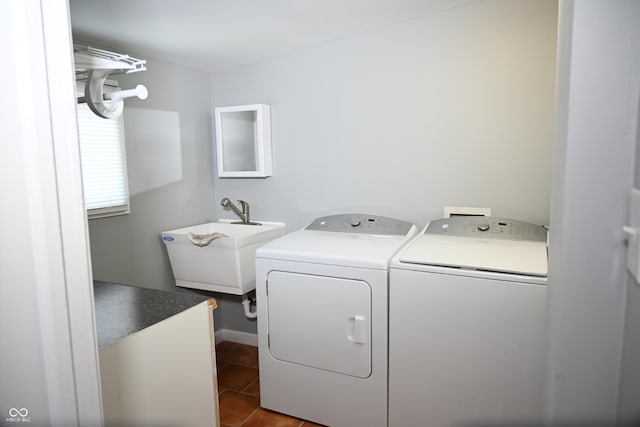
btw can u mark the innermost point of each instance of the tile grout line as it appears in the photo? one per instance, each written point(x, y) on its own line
point(249, 416)
point(250, 384)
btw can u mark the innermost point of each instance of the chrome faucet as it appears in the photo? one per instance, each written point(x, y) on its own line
point(243, 214)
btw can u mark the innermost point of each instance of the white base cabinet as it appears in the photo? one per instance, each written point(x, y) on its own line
point(164, 374)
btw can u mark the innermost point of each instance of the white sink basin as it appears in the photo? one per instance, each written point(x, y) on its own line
point(227, 264)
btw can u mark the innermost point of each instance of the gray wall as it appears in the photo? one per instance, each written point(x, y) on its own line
point(598, 89)
point(168, 138)
point(453, 108)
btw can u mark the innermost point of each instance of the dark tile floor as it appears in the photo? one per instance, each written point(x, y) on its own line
point(239, 390)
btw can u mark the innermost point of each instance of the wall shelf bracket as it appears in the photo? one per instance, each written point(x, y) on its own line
point(93, 66)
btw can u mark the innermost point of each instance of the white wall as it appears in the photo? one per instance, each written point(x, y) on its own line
point(628, 402)
point(598, 88)
point(453, 108)
point(48, 359)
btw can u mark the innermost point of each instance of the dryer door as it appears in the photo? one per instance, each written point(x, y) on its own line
point(319, 321)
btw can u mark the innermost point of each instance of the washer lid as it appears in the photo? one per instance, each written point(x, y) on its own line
point(481, 243)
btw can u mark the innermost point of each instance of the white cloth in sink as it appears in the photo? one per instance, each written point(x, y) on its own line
point(203, 240)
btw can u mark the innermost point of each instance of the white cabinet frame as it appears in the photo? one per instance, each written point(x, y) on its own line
point(243, 141)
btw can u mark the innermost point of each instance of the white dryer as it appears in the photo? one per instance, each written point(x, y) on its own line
point(322, 319)
point(467, 324)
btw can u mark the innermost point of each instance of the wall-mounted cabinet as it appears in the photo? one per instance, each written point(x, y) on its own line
point(243, 141)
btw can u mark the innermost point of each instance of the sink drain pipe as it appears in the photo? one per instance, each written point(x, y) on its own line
point(249, 305)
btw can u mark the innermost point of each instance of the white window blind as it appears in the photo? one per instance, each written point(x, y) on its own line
point(104, 166)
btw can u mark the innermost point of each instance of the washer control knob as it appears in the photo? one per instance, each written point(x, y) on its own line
point(355, 222)
point(483, 226)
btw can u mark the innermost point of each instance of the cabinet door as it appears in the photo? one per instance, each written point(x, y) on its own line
point(321, 322)
point(164, 374)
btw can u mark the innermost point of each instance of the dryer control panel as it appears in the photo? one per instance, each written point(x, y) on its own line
point(487, 227)
point(361, 224)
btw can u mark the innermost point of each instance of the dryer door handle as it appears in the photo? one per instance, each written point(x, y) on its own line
point(357, 329)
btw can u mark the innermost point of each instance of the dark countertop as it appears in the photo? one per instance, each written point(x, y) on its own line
point(122, 310)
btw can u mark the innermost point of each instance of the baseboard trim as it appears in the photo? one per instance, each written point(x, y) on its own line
point(239, 337)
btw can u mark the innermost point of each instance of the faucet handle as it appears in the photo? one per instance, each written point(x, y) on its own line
point(245, 208)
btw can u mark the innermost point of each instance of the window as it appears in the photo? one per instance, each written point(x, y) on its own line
point(104, 167)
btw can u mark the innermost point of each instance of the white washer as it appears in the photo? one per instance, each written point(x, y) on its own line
point(322, 319)
point(467, 324)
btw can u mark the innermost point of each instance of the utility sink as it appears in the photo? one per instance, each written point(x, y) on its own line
point(226, 264)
